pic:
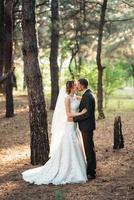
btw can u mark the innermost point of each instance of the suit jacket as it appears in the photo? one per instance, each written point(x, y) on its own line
point(86, 121)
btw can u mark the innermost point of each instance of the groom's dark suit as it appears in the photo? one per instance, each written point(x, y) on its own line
point(87, 125)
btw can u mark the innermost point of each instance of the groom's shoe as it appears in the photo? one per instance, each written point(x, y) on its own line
point(89, 177)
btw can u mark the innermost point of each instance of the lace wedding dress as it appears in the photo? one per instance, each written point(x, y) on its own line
point(67, 162)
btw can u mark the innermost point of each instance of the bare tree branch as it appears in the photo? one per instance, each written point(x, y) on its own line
point(43, 3)
point(118, 20)
point(94, 2)
point(130, 5)
point(15, 3)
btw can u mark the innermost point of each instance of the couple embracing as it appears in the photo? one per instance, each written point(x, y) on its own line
point(72, 154)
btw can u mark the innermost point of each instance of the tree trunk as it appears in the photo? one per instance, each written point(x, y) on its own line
point(8, 56)
point(54, 70)
point(118, 136)
point(5, 77)
point(83, 10)
point(1, 35)
point(98, 60)
point(100, 95)
point(132, 65)
point(73, 54)
point(37, 106)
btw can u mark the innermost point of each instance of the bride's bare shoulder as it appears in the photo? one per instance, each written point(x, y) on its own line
point(67, 98)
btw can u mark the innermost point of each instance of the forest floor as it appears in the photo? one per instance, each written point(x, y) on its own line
point(115, 169)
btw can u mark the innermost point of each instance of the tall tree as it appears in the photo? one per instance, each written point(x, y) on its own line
point(1, 35)
point(37, 106)
point(54, 70)
point(8, 31)
point(98, 60)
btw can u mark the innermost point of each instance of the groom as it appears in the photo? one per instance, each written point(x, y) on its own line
point(86, 123)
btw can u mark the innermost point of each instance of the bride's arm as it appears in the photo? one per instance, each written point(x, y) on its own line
point(67, 106)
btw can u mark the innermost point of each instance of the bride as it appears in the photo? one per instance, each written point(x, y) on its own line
point(67, 160)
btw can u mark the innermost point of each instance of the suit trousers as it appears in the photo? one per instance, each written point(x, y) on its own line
point(90, 152)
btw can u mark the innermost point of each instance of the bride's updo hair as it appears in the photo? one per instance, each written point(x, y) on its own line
point(69, 85)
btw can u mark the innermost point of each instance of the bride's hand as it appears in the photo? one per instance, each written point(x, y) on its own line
point(70, 119)
point(70, 115)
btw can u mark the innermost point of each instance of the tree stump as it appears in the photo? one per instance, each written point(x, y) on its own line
point(118, 136)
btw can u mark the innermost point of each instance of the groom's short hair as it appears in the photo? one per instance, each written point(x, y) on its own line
point(83, 82)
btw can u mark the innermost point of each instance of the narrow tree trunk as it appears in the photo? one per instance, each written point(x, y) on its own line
point(1, 35)
point(73, 54)
point(132, 65)
point(8, 56)
point(5, 76)
point(98, 60)
point(37, 107)
point(83, 10)
point(54, 70)
point(100, 94)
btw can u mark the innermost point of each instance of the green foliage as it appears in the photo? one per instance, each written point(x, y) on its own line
point(126, 69)
point(115, 76)
point(88, 72)
point(113, 79)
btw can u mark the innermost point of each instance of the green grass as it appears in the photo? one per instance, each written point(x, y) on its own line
point(59, 195)
point(121, 100)
point(127, 93)
point(120, 104)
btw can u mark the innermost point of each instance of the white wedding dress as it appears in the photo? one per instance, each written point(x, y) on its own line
point(67, 163)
